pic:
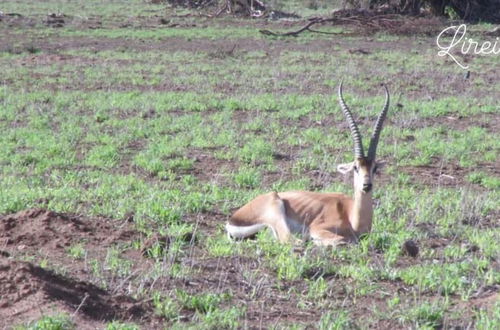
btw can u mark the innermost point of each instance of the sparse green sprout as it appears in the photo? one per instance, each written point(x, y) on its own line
point(256, 150)
point(54, 322)
point(335, 320)
point(166, 307)
point(117, 264)
point(203, 303)
point(425, 315)
point(247, 177)
point(103, 156)
point(180, 164)
point(44, 263)
point(220, 318)
point(157, 250)
point(77, 251)
point(393, 302)
point(220, 246)
point(486, 319)
point(488, 181)
point(116, 325)
point(317, 289)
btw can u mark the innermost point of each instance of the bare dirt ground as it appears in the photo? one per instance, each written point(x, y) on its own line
point(29, 291)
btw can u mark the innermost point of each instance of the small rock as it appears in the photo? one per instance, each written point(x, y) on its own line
point(129, 216)
point(410, 248)
point(471, 248)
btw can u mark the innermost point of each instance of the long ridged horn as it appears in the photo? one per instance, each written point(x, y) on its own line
point(372, 150)
point(358, 145)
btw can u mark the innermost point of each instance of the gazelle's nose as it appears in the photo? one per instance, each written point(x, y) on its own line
point(367, 187)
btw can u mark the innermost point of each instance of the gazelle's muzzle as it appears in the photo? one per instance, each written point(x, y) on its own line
point(367, 187)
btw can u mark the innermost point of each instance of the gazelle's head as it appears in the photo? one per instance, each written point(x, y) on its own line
point(363, 167)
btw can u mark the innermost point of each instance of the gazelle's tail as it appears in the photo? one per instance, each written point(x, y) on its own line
point(243, 231)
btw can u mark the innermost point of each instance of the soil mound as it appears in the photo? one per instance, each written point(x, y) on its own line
point(28, 291)
point(24, 287)
point(42, 229)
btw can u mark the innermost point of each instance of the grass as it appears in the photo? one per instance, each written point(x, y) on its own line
point(182, 125)
point(55, 322)
point(196, 33)
point(63, 322)
point(89, 8)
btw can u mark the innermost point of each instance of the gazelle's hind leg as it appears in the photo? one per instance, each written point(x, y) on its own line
point(265, 210)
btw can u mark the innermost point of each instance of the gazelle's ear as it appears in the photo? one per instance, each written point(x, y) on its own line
point(345, 168)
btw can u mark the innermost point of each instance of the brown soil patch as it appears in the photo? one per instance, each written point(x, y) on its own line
point(489, 121)
point(438, 176)
point(208, 168)
point(39, 230)
point(28, 291)
point(442, 174)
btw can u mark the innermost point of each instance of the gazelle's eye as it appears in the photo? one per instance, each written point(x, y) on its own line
point(355, 168)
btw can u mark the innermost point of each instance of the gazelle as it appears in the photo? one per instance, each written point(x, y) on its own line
point(327, 218)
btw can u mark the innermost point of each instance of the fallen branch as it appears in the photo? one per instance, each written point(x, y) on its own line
point(305, 28)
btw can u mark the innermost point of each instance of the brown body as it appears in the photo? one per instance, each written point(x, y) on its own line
point(326, 218)
point(319, 216)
